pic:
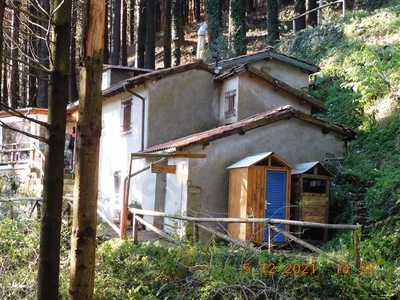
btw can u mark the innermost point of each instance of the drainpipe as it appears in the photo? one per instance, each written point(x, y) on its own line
point(143, 113)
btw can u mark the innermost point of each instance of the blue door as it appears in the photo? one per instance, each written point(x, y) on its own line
point(276, 200)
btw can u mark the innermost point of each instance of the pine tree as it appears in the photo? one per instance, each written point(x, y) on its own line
point(177, 30)
point(273, 21)
point(167, 34)
point(150, 45)
point(124, 40)
point(141, 34)
point(300, 8)
point(312, 18)
point(2, 8)
point(237, 27)
point(116, 32)
point(43, 79)
point(14, 86)
point(212, 10)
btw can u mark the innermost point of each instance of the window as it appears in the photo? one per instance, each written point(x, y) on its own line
point(230, 104)
point(126, 115)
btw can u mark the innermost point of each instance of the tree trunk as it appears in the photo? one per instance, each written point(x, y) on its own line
point(212, 10)
point(116, 32)
point(106, 51)
point(237, 27)
point(2, 8)
point(300, 8)
point(49, 259)
point(73, 88)
point(177, 30)
point(273, 21)
point(14, 86)
point(124, 41)
point(167, 34)
point(197, 10)
point(312, 18)
point(5, 83)
point(43, 79)
point(132, 26)
point(83, 245)
point(150, 45)
point(141, 33)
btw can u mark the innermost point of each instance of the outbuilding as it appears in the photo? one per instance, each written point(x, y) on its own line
point(259, 187)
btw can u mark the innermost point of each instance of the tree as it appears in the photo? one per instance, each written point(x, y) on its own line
point(273, 21)
point(197, 10)
point(312, 18)
point(2, 8)
point(83, 244)
point(106, 50)
point(167, 34)
point(150, 45)
point(300, 8)
point(73, 89)
point(124, 40)
point(49, 259)
point(14, 86)
point(212, 9)
point(116, 32)
point(177, 30)
point(141, 34)
point(43, 76)
point(237, 27)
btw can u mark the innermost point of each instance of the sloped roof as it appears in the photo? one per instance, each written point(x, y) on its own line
point(276, 83)
point(269, 53)
point(155, 75)
point(250, 160)
point(256, 121)
point(307, 166)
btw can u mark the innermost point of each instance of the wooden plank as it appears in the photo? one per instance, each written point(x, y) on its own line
point(155, 229)
point(157, 168)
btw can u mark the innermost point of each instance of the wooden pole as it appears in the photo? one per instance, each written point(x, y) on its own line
point(243, 220)
point(357, 241)
point(135, 229)
point(123, 226)
point(155, 229)
point(269, 238)
point(297, 240)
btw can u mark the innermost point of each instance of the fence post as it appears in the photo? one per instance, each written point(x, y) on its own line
point(357, 240)
point(124, 213)
point(269, 238)
point(319, 13)
point(134, 229)
point(343, 8)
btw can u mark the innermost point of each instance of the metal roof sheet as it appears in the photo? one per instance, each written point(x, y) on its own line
point(304, 167)
point(250, 160)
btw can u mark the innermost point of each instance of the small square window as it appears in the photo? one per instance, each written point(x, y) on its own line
point(126, 115)
point(230, 104)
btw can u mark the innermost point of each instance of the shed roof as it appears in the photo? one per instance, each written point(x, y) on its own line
point(250, 160)
point(256, 121)
point(307, 166)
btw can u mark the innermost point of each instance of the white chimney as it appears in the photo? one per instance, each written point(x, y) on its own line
point(201, 41)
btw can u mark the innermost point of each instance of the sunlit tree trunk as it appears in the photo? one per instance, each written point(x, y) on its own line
point(83, 244)
point(2, 8)
point(43, 79)
point(14, 86)
point(49, 258)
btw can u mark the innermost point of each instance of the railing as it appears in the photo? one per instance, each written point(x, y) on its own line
point(318, 9)
point(22, 153)
point(198, 222)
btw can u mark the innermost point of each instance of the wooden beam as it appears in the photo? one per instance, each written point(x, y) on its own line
point(156, 230)
point(158, 168)
point(223, 236)
point(177, 154)
point(297, 240)
point(244, 220)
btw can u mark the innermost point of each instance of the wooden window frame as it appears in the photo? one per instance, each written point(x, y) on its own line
point(126, 116)
point(230, 103)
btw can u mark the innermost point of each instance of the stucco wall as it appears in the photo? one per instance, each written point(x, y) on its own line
point(257, 96)
point(293, 140)
point(293, 76)
point(116, 146)
point(181, 104)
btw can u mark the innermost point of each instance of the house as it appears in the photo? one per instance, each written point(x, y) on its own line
point(243, 106)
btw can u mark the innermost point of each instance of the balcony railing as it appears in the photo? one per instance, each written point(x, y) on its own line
point(21, 154)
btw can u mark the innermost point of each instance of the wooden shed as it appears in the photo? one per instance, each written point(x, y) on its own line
point(310, 192)
point(259, 186)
